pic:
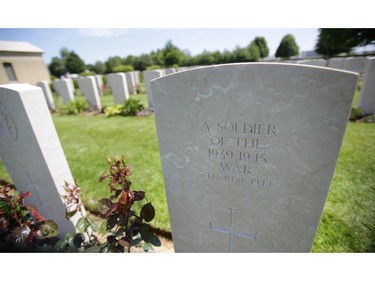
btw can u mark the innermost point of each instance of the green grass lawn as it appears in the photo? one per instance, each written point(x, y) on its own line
point(347, 223)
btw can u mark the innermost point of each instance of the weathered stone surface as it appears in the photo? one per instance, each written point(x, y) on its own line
point(248, 152)
point(32, 153)
point(89, 89)
point(63, 88)
point(119, 89)
point(148, 75)
point(47, 94)
point(367, 98)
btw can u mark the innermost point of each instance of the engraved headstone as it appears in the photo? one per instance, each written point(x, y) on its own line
point(32, 153)
point(130, 83)
point(148, 75)
point(119, 89)
point(47, 94)
point(63, 88)
point(89, 89)
point(248, 153)
point(367, 97)
point(169, 71)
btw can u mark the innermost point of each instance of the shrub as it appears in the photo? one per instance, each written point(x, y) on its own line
point(123, 68)
point(356, 114)
point(152, 67)
point(130, 108)
point(369, 119)
point(87, 73)
point(74, 107)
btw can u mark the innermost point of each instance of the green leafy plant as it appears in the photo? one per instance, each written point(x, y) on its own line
point(356, 114)
point(74, 107)
point(130, 108)
point(22, 227)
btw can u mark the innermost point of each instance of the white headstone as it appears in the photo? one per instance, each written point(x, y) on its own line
point(316, 62)
point(148, 75)
point(47, 94)
point(89, 89)
point(169, 71)
point(248, 153)
point(337, 63)
point(99, 83)
point(32, 153)
point(367, 97)
point(136, 77)
point(356, 64)
point(119, 89)
point(132, 89)
point(63, 88)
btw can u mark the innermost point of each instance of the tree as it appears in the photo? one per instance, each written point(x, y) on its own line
point(287, 48)
point(333, 41)
point(57, 67)
point(254, 52)
point(99, 67)
point(112, 62)
point(261, 43)
point(172, 55)
point(74, 64)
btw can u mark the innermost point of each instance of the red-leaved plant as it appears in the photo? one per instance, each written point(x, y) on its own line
point(22, 228)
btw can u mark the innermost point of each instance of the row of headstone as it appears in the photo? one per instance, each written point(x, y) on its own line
point(367, 96)
point(32, 153)
point(248, 152)
point(355, 64)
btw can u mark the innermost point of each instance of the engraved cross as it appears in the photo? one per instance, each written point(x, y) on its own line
point(232, 231)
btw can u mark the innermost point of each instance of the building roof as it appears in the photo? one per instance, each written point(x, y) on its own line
point(19, 46)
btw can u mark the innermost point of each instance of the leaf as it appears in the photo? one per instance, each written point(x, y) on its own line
point(78, 239)
point(20, 234)
point(112, 221)
point(103, 227)
point(104, 205)
point(82, 224)
point(103, 177)
point(154, 240)
point(124, 243)
point(139, 195)
point(111, 239)
point(5, 207)
point(147, 247)
point(111, 210)
point(91, 204)
point(148, 212)
point(136, 241)
point(145, 233)
point(4, 225)
point(120, 231)
point(47, 230)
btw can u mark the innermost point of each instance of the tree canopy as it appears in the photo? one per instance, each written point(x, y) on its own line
point(287, 48)
point(333, 41)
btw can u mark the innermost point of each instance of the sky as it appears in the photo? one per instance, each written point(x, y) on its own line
point(97, 32)
point(98, 44)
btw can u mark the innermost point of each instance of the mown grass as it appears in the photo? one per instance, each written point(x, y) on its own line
point(347, 223)
point(348, 220)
